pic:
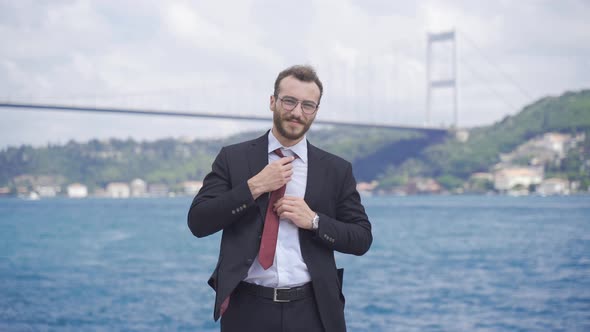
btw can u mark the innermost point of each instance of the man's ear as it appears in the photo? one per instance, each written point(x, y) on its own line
point(272, 103)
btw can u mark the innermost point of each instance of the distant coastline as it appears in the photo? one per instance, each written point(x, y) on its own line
point(543, 150)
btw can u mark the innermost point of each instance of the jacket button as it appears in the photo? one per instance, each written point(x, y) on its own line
point(233, 211)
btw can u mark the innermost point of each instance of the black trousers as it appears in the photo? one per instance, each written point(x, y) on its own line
point(247, 312)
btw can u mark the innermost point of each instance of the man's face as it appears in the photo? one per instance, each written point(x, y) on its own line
point(292, 125)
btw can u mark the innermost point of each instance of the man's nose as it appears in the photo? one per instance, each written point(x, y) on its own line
point(298, 110)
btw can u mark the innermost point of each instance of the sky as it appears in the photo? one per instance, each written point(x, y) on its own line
point(223, 57)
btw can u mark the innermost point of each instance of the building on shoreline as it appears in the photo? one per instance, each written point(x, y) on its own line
point(138, 188)
point(77, 190)
point(118, 190)
point(506, 179)
point(554, 186)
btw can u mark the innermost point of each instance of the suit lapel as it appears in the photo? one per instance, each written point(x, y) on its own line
point(257, 160)
point(313, 190)
point(315, 174)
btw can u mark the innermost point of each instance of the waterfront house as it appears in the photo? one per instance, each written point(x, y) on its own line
point(554, 186)
point(77, 190)
point(118, 190)
point(506, 179)
point(47, 190)
point(138, 188)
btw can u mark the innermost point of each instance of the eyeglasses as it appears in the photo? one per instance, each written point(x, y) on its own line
point(289, 104)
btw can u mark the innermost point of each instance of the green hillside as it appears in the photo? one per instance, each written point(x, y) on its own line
point(568, 113)
point(402, 155)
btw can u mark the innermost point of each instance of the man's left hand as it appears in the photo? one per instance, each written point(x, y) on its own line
point(296, 210)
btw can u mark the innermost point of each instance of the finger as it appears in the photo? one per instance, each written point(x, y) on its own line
point(279, 204)
point(288, 215)
point(290, 200)
point(281, 213)
point(285, 160)
point(282, 209)
point(282, 201)
point(283, 206)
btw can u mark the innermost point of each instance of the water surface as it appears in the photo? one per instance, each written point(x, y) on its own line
point(440, 263)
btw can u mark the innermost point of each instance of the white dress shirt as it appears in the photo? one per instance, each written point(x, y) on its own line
point(288, 268)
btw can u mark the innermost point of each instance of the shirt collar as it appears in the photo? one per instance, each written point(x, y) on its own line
point(300, 149)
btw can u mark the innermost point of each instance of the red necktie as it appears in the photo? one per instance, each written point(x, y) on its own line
point(268, 243)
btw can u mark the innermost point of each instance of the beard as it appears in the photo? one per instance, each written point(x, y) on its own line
point(289, 133)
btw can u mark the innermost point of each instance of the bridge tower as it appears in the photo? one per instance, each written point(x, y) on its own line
point(445, 82)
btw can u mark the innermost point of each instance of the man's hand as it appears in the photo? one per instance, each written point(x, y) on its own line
point(296, 210)
point(272, 177)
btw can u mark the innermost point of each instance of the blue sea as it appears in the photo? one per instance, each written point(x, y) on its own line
point(438, 263)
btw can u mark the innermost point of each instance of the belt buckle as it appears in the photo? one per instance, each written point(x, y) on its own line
point(274, 295)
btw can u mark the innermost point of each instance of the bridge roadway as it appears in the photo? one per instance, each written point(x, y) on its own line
point(200, 114)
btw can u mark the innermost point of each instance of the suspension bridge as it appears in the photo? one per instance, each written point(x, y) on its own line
point(434, 83)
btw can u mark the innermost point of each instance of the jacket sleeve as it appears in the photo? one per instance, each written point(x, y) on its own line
point(350, 230)
point(218, 204)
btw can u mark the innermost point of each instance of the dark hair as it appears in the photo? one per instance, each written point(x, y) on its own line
point(302, 73)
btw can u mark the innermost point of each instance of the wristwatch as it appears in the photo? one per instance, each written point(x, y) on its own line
point(315, 222)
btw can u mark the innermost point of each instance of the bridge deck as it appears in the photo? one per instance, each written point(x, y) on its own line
point(200, 114)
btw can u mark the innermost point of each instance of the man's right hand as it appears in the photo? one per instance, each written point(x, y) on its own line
point(272, 177)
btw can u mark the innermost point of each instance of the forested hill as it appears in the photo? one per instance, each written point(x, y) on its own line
point(386, 155)
point(568, 114)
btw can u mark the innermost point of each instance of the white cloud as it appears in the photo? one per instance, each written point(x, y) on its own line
point(190, 27)
point(224, 55)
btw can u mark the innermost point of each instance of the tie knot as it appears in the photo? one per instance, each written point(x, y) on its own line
point(279, 153)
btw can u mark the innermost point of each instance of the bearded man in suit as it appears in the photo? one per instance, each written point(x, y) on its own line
point(284, 206)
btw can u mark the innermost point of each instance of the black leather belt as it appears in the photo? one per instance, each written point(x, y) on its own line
point(278, 294)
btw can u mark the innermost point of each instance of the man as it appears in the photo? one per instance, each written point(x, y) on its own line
point(276, 269)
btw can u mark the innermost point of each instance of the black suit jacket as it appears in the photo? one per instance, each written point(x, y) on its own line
point(226, 203)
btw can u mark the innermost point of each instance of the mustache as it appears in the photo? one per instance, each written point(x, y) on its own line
point(292, 118)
